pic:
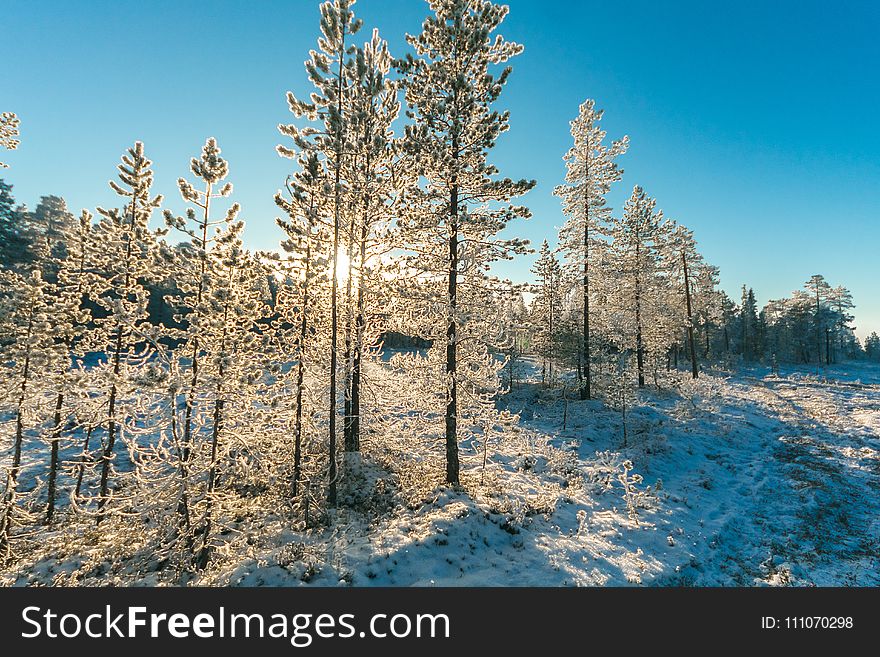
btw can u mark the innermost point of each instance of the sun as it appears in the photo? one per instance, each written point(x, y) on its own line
point(343, 265)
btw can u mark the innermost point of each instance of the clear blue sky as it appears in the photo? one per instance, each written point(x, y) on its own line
point(753, 123)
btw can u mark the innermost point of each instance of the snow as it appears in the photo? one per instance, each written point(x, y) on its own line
point(749, 479)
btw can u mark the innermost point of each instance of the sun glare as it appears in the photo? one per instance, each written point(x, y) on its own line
point(343, 265)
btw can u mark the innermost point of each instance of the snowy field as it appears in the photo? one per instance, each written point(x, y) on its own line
point(749, 479)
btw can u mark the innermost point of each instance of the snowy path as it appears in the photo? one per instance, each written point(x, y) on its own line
point(790, 495)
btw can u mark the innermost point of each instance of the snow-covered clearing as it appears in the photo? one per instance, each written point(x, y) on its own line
point(749, 479)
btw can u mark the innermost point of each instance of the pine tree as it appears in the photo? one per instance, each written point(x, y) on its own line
point(306, 270)
point(16, 233)
point(30, 356)
point(683, 262)
point(592, 170)
point(749, 324)
point(330, 70)
point(841, 302)
point(872, 346)
point(71, 263)
point(450, 90)
point(635, 256)
point(232, 367)
point(128, 246)
point(545, 308)
point(377, 183)
point(189, 267)
point(819, 289)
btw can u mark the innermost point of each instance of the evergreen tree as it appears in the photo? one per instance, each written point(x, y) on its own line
point(30, 355)
point(749, 325)
point(16, 233)
point(330, 70)
point(455, 217)
point(306, 271)
point(634, 248)
point(377, 182)
point(820, 290)
point(591, 171)
point(127, 249)
point(545, 308)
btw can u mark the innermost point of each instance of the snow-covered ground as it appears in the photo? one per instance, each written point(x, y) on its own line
point(749, 479)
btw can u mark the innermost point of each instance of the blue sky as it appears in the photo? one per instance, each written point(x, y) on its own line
point(753, 123)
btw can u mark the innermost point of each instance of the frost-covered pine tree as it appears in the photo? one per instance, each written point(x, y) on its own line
point(546, 309)
point(330, 71)
point(9, 123)
point(820, 290)
point(30, 355)
point(232, 374)
point(305, 268)
point(189, 265)
point(592, 169)
point(70, 256)
point(682, 262)
point(377, 179)
point(841, 301)
point(450, 89)
point(127, 247)
point(634, 253)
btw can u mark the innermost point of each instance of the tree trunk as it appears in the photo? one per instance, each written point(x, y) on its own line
point(112, 427)
point(347, 353)
point(53, 460)
point(690, 325)
point(359, 327)
point(334, 286)
point(300, 369)
point(640, 356)
point(452, 465)
point(586, 391)
point(12, 476)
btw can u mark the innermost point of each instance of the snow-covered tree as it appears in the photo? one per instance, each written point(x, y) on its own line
point(376, 178)
point(305, 267)
point(71, 264)
point(127, 247)
point(592, 169)
point(683, 262)
point(29, 355)
point(840, 333)
point(452, 224)
point(634, 254)
point(231, 372)
point(546, 308)
point(819, 290)
point(190, 268)
point(330, 69)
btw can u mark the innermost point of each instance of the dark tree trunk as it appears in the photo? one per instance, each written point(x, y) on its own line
point(586, 390)
point(452, 465)
point(359, 327)
point(53, 460)
point(12, 475)
point(690, 325)
point(300, 369)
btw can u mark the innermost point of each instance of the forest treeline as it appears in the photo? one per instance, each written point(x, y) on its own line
point(159, 381)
